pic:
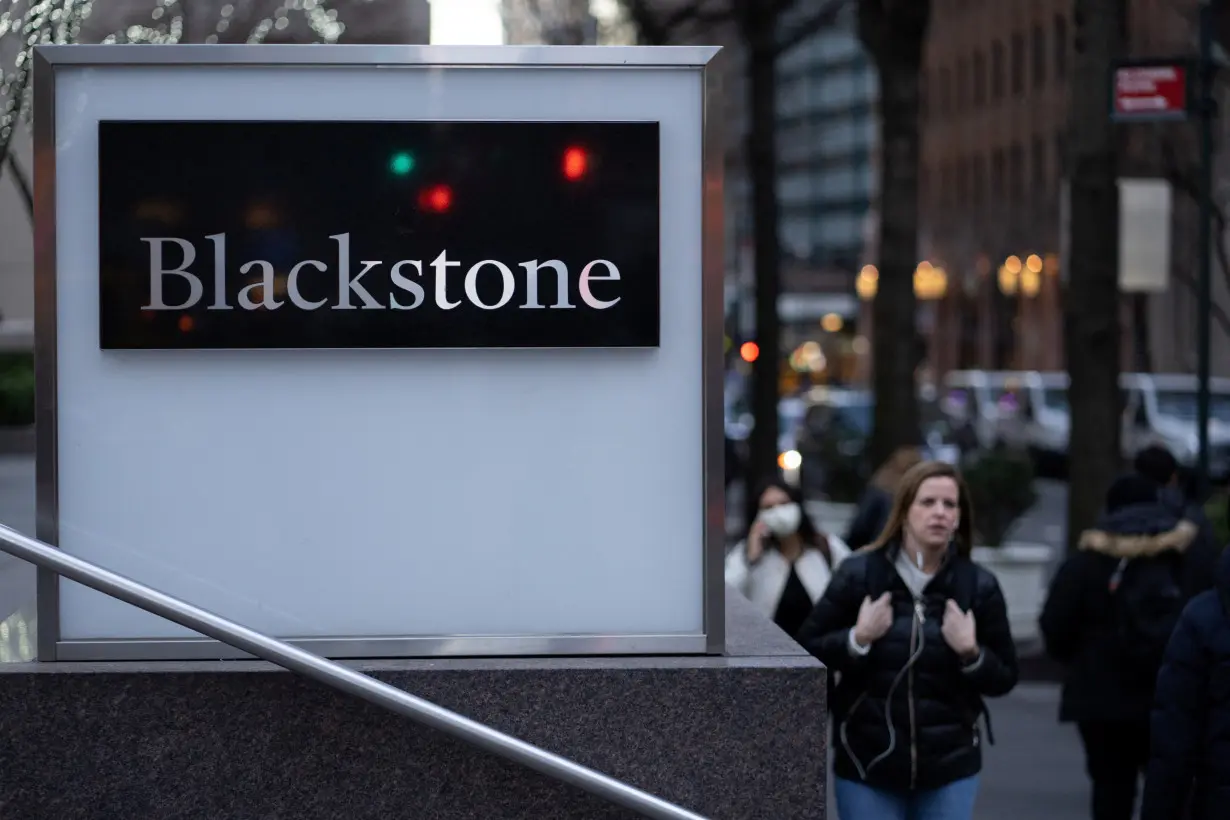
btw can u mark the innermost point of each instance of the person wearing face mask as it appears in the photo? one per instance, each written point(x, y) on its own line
point(919, 635)
point(784, 563)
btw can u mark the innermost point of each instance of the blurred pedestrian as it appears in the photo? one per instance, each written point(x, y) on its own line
point(877, 500)
point(1189, 762)
point(1157, 464)
point(1110, 611)
point(784, 564)
point(919, 635)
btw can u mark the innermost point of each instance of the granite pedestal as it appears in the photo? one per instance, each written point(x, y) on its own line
point(739, 736)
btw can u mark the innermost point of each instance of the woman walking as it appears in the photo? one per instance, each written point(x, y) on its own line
point(919, 635)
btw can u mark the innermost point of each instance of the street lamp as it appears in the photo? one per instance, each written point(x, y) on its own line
point(867, 283)
point(930, 282)
point(1020, 277)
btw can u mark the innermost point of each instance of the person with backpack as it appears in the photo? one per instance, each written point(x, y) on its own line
point(918, 635)
point(1189, 762)
point(1157, 464)
point(1108, 616)
point(784, 564)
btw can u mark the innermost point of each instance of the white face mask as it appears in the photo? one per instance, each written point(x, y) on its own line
point(783, 519)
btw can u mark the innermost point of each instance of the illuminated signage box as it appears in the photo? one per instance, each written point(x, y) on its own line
point(378, 234)
point(388, 351)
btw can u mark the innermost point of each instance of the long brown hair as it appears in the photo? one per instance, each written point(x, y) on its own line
point(907, 491)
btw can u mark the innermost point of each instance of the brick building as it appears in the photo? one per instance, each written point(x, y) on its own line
point(995, 116)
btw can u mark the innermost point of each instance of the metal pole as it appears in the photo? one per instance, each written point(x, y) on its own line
point(339, 677)
point(1205, 283)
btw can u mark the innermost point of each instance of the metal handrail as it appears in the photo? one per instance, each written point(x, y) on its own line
point(339, 677)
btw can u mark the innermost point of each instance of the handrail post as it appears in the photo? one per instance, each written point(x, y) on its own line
point(339, 677)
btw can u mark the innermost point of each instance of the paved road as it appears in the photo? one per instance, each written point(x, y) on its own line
point(1035, 770)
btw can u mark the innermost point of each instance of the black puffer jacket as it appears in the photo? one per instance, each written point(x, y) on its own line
point(1078, 621)
point(936, 702)
point(1190, 725)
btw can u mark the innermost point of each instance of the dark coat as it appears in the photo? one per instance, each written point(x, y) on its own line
point(934, 704)
point(1190, 724)
point(1078, 621)
point(870, 517)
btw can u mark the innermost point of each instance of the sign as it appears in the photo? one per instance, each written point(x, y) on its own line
point(367, 348)
point(1151, 92)
point(1145, 216)
point(378, 234)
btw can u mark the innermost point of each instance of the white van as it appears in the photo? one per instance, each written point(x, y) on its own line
point(1160, 409)
point(970, 398)
point(1033, 415)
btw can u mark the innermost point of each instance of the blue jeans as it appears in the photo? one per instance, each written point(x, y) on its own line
point(858, 801)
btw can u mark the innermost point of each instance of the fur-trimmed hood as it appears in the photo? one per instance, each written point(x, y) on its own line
point(1138, 531)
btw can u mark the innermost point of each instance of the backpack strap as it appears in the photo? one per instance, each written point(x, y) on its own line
point(965, 587)
point(965, 583)
point(879, 573)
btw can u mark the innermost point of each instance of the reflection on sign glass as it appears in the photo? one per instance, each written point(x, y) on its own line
point(378, 234)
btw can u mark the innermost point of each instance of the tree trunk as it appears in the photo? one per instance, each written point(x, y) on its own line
point(895, 40)
point(1142, 350)
point(758, 30)
point(1092, 333)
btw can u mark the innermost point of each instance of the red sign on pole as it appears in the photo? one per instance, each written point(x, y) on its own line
point(1146, 92)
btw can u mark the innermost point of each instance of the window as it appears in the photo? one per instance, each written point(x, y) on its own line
point(1059, 43)
point(998, 169)
point(962, 84)
point(945, 91)
point(980, 79)
point(997, 71)
point(1038, 58)
point(1038, 164)
point(1016, 172)
point(1018, 65)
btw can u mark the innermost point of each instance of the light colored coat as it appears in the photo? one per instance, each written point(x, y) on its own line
point(763, 582)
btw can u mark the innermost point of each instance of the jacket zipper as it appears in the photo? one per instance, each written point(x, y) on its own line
point(920, 616)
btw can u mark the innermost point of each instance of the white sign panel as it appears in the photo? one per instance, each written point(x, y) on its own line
point(1144, 235)
point(389, 351)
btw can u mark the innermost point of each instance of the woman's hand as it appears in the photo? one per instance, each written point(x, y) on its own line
point(755, 541)
point(960, 631)
point(874, 619)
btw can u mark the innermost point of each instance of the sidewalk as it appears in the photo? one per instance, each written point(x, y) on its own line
point(1036, 769)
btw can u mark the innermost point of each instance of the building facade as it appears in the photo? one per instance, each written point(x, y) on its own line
point(994, 122)
point(827, 89)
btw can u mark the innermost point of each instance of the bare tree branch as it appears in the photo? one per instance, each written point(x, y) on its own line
point(1184, 179)
point(656, 29)
point(1218, 312)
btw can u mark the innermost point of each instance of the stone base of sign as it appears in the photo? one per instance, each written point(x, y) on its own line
point(742, 735)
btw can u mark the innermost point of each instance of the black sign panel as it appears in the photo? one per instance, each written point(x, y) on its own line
point(378, 234)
